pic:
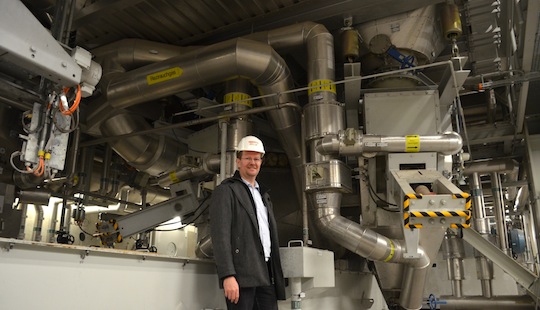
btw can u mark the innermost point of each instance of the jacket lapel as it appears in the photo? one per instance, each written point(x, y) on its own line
point(246, 202)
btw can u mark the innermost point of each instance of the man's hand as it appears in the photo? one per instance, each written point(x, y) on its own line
point(232, 291)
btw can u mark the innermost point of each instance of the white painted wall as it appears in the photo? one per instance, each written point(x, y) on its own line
point(57, 278)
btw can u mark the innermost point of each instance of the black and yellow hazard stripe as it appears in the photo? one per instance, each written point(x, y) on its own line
point(467, 197)
point(440, 214)
point(406, 212)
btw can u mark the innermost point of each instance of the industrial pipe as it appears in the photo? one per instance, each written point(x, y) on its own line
point(454, 254)
point(371, 245)
point(36, 234)
point(481, 303)
point(487, 167)
point(481, 224)
point(352, 142)
point(51, 233)
point(522, 275)
point(500, 213)
point(210, 164)
point(24, 210)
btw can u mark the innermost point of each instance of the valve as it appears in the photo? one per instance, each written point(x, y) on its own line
point(434, 301)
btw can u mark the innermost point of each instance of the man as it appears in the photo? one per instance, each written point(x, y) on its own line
point(244, 235)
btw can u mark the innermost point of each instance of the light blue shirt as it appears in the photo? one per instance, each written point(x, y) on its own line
point(262, 218)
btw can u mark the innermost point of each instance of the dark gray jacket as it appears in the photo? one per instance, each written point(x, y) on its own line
point(235, 237)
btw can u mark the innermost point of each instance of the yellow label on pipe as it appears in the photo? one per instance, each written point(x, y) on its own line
point(235, 96)
point(172, 177)
point(164, 75)
point(412, 144)
point(321, 85)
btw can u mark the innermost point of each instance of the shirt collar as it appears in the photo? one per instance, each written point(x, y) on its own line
point(249, 184)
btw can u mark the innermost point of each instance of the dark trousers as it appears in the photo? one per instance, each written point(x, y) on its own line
point(255, 298)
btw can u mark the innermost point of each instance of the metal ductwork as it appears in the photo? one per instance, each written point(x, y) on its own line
point(354, 142)
point(153, 154)
point(205, 66)
point(371, 245)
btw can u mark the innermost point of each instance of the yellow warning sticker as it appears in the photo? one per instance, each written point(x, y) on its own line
point(412, 144)
point(321, 85)
point(172, 177)
point(164, 75)
point(236, 96)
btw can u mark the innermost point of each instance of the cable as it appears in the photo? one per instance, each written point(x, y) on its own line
point(75, 104)
point(74, 122)
point(84, 231)
point(13, 164)
point(373, 194)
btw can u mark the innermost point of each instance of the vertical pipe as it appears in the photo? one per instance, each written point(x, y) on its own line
point(104, 181)
point(67, 224)
point(52, 228)
point(454, 254)
point(305, 214)
point(296, 293)
point(24, 209)
point(223, 150)
point(481, 224)
point(500, 214)
point(36, 234)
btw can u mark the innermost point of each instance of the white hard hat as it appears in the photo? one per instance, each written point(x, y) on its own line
point(250, 143)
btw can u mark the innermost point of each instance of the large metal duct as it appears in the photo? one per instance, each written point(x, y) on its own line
point(153, 154)
point(135, 53)
point(371, 245)
point(205, 66)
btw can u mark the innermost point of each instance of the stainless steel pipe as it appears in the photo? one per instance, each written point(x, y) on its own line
point(352, 142)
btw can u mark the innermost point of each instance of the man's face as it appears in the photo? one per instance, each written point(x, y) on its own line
point(249, 164)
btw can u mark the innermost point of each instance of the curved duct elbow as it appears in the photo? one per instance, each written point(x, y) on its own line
point(150, 153)
point(204, 248)
point(371, 245)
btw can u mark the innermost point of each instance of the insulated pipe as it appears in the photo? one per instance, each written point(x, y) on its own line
point(204, 248)
point(500, 213)
point(487, 167)
point(211, 164)
point(371, 245)
point(209, 65)
point(153, 154)
point(205, 66)
point(481, 303)
point(353, 142)
point(131, 54)
point(481, 224)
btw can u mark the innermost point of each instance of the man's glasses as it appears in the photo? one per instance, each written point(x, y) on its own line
point(249, 159)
